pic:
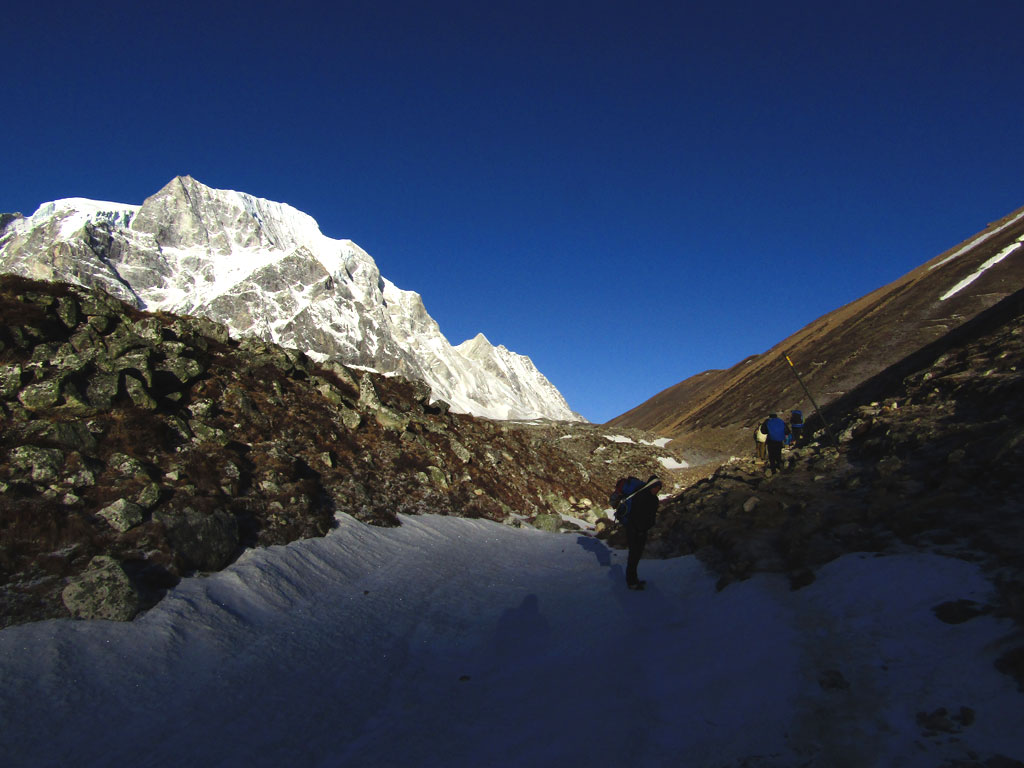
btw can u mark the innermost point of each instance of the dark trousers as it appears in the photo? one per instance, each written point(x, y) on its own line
point(636, 540)
point(774, 455)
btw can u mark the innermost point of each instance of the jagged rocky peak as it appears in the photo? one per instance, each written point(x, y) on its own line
point(265, 269)
point(185, 214)
point(478, 347)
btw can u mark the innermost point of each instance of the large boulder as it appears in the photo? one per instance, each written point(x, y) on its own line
point(204, 541)
point(102, 591)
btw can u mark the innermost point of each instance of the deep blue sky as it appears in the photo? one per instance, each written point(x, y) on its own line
point(628, 192)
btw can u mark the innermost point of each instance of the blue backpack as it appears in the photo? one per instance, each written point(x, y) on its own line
point(622, 497)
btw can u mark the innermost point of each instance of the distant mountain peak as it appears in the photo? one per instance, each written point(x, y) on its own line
point(264, 268)
point(478, 346)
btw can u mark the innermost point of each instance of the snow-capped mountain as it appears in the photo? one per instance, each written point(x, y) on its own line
point(265, 269)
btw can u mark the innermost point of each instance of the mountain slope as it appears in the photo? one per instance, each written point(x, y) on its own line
point(716, 410)
point(264, 269)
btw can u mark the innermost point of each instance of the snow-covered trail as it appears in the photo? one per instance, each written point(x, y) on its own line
point(450, 642)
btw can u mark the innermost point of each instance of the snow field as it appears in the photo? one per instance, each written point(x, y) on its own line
point(452, 642)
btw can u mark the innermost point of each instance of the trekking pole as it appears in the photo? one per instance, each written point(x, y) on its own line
point(644, 487)
point(828, 430)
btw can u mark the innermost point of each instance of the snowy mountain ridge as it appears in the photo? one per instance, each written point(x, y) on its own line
point(265, 269)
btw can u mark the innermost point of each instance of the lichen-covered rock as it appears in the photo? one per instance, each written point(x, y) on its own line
point(40, 395)
point(78, 471)
point(546, 522)
point(557, 503)
point(438, 477)
point(149, 496)
point(102, 591)
point(67, 311)
point(351, 419)
point(343, 373)
point(122, 515)
point(460, 451)
point(40, 465)
point(330, 393)
point(138, 394)
point(184, 369)
point(368, 398)
point(391, 420)
point(149, 330)
point(126, 465)
point(122, 340)
point(10, 380)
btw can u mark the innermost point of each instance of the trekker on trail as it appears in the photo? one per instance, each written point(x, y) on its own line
point(643, 510)
point(796, 426)
point(760, 438)
point(777, 430)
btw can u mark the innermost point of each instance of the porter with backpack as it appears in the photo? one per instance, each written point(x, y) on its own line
point(636, 507)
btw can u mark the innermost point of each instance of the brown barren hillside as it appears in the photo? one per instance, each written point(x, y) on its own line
point(716, 412)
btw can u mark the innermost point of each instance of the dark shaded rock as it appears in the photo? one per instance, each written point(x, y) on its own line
point(833, 680)
point(959, 611)
point(202, 540)
point(102, 389)
point(73, 435)
point(1012, 663)
point(801, 578)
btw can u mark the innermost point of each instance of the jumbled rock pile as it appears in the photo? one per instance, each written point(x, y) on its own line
point(138, 448)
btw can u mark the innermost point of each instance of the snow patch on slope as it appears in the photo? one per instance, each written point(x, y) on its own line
point(980, 270)
point(977, 241)
point(73, 213)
